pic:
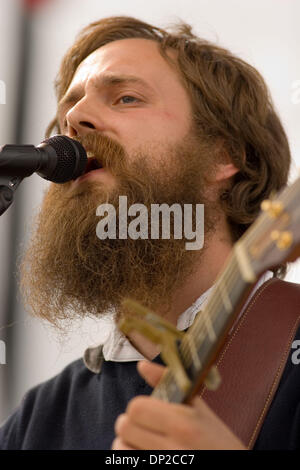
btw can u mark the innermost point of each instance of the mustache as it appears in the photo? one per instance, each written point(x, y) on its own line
point(108, 152)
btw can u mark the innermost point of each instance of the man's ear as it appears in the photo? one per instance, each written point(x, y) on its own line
point(224, 167)
point(225, 171)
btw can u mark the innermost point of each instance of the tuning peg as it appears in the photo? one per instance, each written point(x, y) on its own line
point(283, 239)
point(272, 208)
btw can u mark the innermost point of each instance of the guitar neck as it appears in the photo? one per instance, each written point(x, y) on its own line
point(272, 239)
point(203, 340)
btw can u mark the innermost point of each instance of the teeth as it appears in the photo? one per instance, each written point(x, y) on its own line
point(91, 155)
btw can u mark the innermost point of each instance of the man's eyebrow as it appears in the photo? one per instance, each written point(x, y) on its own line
point(106, 80)
point(71, 97)
point(121, 79)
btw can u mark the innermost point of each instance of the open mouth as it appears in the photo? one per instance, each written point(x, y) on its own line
point(92, 164)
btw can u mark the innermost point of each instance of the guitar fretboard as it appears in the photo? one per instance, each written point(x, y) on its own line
point(200, 341)
point(254, 253)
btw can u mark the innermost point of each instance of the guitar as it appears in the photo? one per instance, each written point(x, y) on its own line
point(274, 238)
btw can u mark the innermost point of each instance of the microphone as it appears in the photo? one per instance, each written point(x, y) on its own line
point(58, 159)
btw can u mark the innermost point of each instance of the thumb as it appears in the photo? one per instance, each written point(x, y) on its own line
point(151, 372)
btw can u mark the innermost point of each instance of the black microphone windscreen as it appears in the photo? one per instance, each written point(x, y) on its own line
point(71, 158)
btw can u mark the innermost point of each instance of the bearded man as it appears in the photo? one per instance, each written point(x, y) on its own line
point(166, 117)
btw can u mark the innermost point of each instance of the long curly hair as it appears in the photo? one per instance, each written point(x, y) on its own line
point(231, 105)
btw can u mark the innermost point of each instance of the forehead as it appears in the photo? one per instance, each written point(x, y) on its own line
point(139, 57)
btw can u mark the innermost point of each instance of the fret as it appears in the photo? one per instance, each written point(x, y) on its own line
point(252, 255)
point(244, 263)
point(225, 297)
point(161, 393)
point(193, 351)
point(208, 324)
point(173, 387)
point(168, 390)
point(198, 343)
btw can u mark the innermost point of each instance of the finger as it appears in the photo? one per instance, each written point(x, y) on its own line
point(157, 415)
point(202, 408)
point(131, 434)
point(118, 444)
point(151, 372)
point(199, 403)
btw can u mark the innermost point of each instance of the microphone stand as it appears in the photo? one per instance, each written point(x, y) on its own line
point(8, 185)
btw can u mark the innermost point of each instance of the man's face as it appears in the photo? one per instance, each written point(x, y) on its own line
point(129, 93)
point(128, 107)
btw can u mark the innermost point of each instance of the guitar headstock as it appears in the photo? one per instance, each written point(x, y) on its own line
point(274, 238)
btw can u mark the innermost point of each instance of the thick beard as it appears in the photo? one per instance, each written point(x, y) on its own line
point(67, 272)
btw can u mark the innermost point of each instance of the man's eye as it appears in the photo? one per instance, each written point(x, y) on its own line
point(127, 99)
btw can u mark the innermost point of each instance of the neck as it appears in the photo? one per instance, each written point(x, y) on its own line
point(217, 250)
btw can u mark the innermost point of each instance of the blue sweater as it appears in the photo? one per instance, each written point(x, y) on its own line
point(77, 409)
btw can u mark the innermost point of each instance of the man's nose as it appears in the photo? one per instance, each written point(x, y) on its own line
point(82, 118)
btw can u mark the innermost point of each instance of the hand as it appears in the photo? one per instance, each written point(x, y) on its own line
point(149, 423)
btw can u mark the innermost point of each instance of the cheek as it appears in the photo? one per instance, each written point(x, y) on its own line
point(174, 125)
point(159, 127)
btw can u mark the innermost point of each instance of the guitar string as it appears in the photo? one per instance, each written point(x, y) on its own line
point(216, 302)
point(201, 327)
point(169, 377)
point(252, 233)
point(231, 272)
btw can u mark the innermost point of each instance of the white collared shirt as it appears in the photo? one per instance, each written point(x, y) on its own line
point(117, 347)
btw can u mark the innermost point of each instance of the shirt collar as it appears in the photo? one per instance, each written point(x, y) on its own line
point(117, 347)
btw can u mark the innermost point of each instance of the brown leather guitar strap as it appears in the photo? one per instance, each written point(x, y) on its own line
point(253, 358)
